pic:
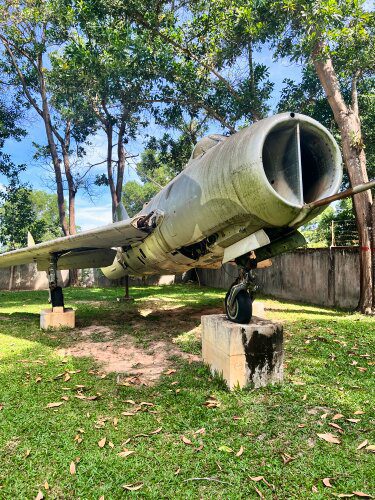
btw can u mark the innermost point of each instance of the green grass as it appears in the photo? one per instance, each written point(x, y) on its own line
point(324, 350)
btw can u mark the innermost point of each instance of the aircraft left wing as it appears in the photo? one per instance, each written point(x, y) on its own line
point(92, 248)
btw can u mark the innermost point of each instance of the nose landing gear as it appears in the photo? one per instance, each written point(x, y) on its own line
point(239, 298)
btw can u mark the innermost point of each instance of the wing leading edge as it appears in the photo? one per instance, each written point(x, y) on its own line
point(94, 246)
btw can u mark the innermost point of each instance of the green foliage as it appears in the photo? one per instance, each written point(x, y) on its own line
point(24, 210)
point(308, 97)
point(135, 195)
point(335, 226)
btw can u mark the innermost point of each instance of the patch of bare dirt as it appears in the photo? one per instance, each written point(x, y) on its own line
point(91, 330)
point(123, 356)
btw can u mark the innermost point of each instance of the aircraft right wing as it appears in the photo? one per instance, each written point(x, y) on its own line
point(92, 248)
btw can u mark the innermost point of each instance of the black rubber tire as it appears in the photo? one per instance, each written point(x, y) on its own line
point(242, 310)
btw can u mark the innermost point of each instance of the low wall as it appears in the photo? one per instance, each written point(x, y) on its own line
point(27, 277)
point(322, 276)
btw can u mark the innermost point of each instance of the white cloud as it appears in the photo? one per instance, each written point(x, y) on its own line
point(92, 216)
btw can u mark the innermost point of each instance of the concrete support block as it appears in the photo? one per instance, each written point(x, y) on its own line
point(258, 309)
point(243, 354)
point(57, 317)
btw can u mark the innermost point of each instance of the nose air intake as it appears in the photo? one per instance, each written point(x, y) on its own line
point(299, 162)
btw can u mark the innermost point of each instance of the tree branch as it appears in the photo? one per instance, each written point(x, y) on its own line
point(138, 17)
point(21, 77)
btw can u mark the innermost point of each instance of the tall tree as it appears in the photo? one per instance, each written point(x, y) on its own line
point(23, 210)
point(113, 68)
point(29, 32)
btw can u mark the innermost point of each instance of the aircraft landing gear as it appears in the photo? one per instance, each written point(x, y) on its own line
point(58, 316)
point(239, 298)
point(56, 292)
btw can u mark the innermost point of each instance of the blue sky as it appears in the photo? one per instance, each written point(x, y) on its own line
point(96, 211)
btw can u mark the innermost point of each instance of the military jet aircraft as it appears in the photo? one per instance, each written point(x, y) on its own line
point(240, 198)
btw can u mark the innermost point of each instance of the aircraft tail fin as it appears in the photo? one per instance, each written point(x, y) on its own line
point(30, 240)
point(121, 213)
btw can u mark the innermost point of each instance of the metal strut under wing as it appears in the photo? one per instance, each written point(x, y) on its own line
point(78, 250)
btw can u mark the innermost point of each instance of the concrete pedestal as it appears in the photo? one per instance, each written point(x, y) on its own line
point(258, 309)
point(243, 354)
point(57, 317)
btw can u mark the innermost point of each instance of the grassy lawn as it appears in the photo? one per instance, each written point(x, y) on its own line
point(329, 371)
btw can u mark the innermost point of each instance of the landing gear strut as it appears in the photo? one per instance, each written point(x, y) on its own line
point(56, 293)
point(239, 298)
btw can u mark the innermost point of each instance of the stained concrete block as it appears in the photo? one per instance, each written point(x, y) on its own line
point(57, 317)
point(243, 354)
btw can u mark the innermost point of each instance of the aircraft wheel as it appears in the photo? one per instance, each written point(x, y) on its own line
point(242, 309)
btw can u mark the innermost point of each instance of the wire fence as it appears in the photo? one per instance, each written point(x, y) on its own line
point(344, 233)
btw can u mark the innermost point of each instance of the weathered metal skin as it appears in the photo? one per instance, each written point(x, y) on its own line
point(259, 178)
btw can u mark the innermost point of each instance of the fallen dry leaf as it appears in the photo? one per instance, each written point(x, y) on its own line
point(314, 489)
point(343, 495)
point(185, 440)
point(115, 422)
point(353, 420)
point(128, 414)
point(55, 405)
point(257, 478)
point(27, 453)
point(363, 444)
point(67, 377)
point(39, 496)
point(200, 431)
point(46, 485)
point(132, 487)
point(38, 379)
point(156, 431)
point(177, 471)
point(371, 448)
point(211, 402)
point(259, 493)
point(65, 398)
point(145, 403)
point(335, 426)
point(359, 412)
point(200, 448)
point(240, 451)
point(125, 453)
point(102, 442)
point(337, 416)
point(110, 444)
point(324, 416)
point(361, 494)
point(72, 468)
point(169, 372)
point(330, 438)
point(326, 482)
point(1, 406)
point(130, 401)
point(286, 458)
point(301, 425)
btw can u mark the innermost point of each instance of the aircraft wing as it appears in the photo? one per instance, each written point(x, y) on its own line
point(92, 248)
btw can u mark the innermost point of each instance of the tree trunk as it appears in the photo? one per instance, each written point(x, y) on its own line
point(111, 183)
point(72, 190)
point(348, 121)
point(54, 156)
point(121, 155)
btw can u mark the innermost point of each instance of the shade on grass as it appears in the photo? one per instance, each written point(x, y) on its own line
point(329, 370)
